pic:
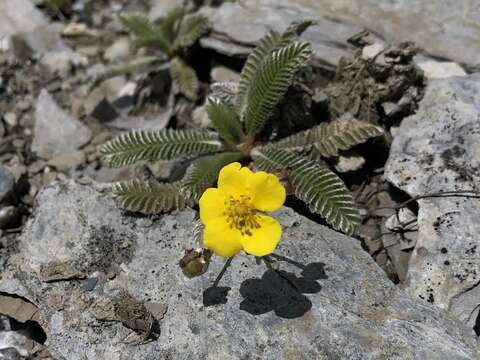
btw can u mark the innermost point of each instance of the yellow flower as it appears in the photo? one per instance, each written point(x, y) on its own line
point(234, 213)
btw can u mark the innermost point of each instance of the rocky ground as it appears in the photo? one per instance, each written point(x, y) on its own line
point(81, 279)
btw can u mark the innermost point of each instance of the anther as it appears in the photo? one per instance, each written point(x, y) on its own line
point(241, 215)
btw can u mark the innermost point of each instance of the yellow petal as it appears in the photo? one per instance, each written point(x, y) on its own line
point(233, 179)
point(222, 240)
point(265, 239)
point(212, 205)
point(268, 193)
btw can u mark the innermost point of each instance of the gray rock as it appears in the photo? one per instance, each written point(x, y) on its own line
point(399, 237)
point(38, 41)
point(449, 31)
point(440, 69)
point(68, 160)
point(11, 119)
point(118, 51)
point(19, 16)
point(437, 150)
point(14, 346)
point(352, 162)
point(55, 130)
point(403, 220)
point(200, 117)
point(7, 182)
point(326, 299)
point(105, 174)
point(8, 216)
point(108, 90)
point(160, 8)
point(158, 122)
point(237, 27)
point(371, 51)
point(62, 60)
point(224, 74)
point(45, 43)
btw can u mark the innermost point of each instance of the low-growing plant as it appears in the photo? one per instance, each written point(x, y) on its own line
point(238, 114)
point(57, 6)
point(168, 40)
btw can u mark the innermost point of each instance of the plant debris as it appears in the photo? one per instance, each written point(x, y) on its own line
point(379, 83)
point(132, 313)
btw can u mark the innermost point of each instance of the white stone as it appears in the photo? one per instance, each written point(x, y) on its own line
point(349, 163)
point(224, 74)
point(160, 8)
point(11, 119)
point(118, 51)
point(370, 51)
point(55, 130)
point(441, 70)
point(19, 16)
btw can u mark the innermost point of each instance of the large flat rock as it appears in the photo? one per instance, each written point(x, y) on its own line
point(325, 299)
point(442, 29)
point(437, 150)
point(238, 26)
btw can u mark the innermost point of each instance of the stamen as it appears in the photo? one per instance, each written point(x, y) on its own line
point(241, 215)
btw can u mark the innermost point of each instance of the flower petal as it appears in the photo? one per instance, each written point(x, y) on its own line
point(268, 193)
point(222, 240)
point(265, 239)
point(212, 205)
point(233, 179)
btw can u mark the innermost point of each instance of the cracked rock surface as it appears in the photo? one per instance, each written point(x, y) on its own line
point(118, 292)
point(237, 27)
point(438, 150)
point(442, 29)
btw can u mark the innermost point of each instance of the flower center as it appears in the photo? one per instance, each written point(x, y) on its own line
point(241, 215)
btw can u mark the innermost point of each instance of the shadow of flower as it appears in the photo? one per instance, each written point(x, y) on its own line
point(215, 295)
point(281, 291)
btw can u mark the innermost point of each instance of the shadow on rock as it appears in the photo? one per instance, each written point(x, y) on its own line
point(281, 291)
point(215, 295)
point(310, 271)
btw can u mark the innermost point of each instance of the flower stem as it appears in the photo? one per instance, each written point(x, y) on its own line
point(222, 272)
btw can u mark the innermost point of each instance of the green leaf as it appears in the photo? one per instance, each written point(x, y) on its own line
point(224, 120)
point(169, 23)
point(326, 194)
point(158, 145)
point(57, 5)
point(271, 82)
point(265, 47)
point(331, 137)
point(271, 42)
point(191, 29)
point(147, 33)
point(185, 78)
point(203, 173)
point(271, 159)
point(321, 189)
point(138, 25)
point(197, 232)
point(149, 197)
